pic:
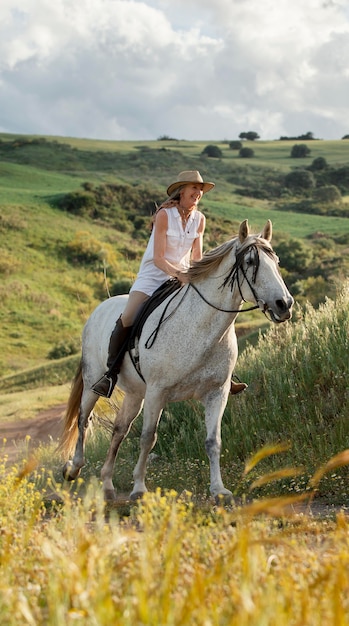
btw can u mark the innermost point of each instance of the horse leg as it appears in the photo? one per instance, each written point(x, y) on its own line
point(71, 469)
point(130, 409)
point(151, 417)
point(214, 408)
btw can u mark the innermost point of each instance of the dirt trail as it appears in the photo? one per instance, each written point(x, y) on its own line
point(46, 425)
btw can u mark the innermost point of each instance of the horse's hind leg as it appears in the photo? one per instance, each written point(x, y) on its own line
point(130, 409)
point(72, 468)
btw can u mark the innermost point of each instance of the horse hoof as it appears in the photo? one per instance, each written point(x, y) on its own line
point(109, 495)
point(70, 472)
point(225, 498)
point(137, 495)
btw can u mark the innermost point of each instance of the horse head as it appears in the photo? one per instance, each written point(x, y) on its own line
point(257, 274)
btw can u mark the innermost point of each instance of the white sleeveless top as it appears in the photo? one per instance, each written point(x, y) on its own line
point(179, 242)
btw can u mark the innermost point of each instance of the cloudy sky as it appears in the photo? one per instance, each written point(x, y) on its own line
point(190, 69)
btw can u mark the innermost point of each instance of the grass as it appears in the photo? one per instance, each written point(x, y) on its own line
point(166, 562)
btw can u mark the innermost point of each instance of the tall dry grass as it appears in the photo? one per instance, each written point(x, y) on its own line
point(166, 563)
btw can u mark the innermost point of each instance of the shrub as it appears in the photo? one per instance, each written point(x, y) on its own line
point(64, 348)
point(121, 286)
point(300, 150)
point(300, 179)
point(78, 202)
point(340, 178)
point(318, 164)
point(235, 145)
point(295, 255)
point(327, 193)
point(213, 151)
point(85, 248)
point(246, 153)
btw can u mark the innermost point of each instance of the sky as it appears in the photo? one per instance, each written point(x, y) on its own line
point(186, 69)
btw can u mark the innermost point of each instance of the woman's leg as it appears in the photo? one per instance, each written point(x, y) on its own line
point(118, 344)
point(134, 303)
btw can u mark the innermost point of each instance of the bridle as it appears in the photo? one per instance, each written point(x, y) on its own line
point(234, 276)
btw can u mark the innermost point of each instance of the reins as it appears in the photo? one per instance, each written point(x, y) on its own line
point(252, 308)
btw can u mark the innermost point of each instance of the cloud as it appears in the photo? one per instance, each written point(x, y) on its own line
point(193, 69)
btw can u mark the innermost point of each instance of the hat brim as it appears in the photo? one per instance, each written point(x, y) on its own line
point(205, 186)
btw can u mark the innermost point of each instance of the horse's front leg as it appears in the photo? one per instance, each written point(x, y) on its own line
point(130, 409)
point(151, 417)
point(215, 404)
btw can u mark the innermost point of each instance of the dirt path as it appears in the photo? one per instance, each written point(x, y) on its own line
point(44, 427)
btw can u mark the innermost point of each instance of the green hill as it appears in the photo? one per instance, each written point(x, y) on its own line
point(71, 229)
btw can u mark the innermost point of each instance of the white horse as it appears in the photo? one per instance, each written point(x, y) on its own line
point(187, 349)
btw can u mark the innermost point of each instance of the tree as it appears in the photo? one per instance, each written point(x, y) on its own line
point(246, 153)
point(213, 151)
point(299, 151)
point(250, 135)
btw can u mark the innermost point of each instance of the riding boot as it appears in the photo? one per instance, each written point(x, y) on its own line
point(236, 388)
point(116, 352)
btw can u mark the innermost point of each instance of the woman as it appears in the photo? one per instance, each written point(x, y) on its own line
point(176, 239)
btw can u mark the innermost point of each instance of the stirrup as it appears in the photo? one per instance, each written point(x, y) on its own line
point(104, 386)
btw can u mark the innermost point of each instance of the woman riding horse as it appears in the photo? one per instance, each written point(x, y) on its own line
point(176, 239)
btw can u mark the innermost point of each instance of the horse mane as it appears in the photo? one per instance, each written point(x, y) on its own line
point(210, 260)
point(213, 258)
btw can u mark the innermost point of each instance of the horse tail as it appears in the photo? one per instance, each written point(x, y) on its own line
point(69, 434)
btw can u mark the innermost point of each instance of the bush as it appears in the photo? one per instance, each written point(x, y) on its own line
point(235, 145)
point(295, 255)
point(246, 153)
point(299, 151)
point(120, 287)
point(300, 179)
point(213, 151)
point(63, 349)
point(86, 249)
point(340, 178)
point(327, 193)
point(318, 164)
point(78, 202)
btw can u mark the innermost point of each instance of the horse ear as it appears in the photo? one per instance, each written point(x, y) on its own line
point(243, 231)
point(267, 231)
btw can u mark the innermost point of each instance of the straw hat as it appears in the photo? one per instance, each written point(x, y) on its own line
point(184, 178)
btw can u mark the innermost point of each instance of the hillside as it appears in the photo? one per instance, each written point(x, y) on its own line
point(58, 261)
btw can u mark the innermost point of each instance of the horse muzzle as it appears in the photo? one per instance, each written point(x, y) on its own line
point(279, 311)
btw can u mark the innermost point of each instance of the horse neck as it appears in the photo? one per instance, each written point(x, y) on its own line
point(210, 288)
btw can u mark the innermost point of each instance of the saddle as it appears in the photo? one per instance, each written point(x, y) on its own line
point(160, 294)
